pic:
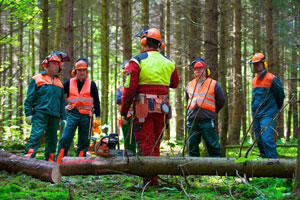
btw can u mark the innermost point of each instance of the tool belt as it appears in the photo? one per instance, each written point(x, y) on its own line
point(84, 107)
point(90, 108)
point(151, 103)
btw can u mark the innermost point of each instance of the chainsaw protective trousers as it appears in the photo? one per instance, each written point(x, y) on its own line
point(82, 121)
point(42, 122)
point(207, 130)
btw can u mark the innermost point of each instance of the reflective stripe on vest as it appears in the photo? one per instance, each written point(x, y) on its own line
point(155, 69)
point(45, 79)
point(265, 82)
point(82, 100)
point(204, 96)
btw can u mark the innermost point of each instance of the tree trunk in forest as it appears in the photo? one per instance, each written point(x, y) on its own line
point(86, 31)
point(245, 64)
point(43, 170)
point(81, 27)
point(294, 84)
point(211, 36)
point(1, 77)
point(147, 166)
point(278, 63)
point(223, 73)
point(32, 43)
point(105, 61)
point(296, 193)
point(257, 27)
point(69, 39)
point(145, 13)
point(168, 27)
point(194, 36)
point(234, 136)
point(44, 32)
point(10, 79)
point(57, 25)
point(269, 35)
point(168, 49)
point(20, 79)
point(92, 46)
point(4, 77)
point(126, 29)
point(179, 125)
point(162, 22)
point(117, 66)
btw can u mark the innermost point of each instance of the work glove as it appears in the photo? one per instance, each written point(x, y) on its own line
point(63, 124)
point(68, 107)
point(97, 122)
point(28, 119)
point(96, 125)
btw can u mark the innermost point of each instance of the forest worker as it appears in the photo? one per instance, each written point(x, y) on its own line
point(45, 107)
point(267, 99)
point(205, 98)
point(82, 103)
point(150, 74)
point(127, 129)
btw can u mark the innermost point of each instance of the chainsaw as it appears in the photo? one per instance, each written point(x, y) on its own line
point(108, 146)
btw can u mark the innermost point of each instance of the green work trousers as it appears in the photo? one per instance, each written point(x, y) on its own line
point(126, 129)
point(82, 121)
point(207, 130)
point(42, 122)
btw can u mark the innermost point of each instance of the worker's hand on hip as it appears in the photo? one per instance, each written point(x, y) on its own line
point(68, 107)
point(63, 124)
point(124, 121)
point(28, 119)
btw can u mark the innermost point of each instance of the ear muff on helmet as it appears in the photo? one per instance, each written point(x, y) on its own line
point(162, 44)
point(207, 72)
point(144, 41)
point(266, 65)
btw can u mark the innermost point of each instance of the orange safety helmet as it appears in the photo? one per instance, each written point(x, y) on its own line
point(259, 57)
point(52, 58)
point(80, 63)
point(153, 33)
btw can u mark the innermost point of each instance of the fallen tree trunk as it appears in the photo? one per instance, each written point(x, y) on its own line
point(43, 170)
point(247, 146)
point(149, 166)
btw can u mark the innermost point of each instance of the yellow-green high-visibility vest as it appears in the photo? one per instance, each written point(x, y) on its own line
point(156, 69)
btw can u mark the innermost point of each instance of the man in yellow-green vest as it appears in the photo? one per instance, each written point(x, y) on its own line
point(150, 74)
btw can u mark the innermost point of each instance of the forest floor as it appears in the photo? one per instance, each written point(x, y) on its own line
point(21, 186)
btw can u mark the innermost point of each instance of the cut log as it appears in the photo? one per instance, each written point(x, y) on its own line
point(149, 166)
point(43, 170)
point(247, 146)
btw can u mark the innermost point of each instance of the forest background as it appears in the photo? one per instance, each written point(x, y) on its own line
point(226, 33)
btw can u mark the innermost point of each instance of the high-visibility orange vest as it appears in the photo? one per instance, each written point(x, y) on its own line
point(204, 96)
point(265, 82)
point(83, 100)
point(42, 79)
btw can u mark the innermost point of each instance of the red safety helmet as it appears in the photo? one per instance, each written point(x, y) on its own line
point(199, 64)
point(51, 58)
